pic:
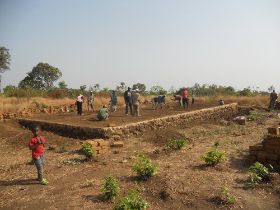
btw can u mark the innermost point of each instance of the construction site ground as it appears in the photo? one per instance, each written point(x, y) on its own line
point(182, 182)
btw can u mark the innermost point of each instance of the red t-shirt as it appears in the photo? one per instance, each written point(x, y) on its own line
point(185, 94)
point(39, 150)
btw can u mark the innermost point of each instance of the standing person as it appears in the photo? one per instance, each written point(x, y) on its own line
point(136, 102)
point(128, 101)
point(185, 98)
point(114, 101)
point(79, 103)
point(273, 98)
point(36, 144)
point(90, 101)
point(178, 98)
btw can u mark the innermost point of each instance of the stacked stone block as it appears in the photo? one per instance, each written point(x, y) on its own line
point(268, 151)
point(101, 146)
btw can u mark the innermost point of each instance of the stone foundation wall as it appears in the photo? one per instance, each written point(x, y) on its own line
point(219, 112)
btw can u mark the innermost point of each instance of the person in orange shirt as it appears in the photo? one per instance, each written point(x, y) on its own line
point(185, 98)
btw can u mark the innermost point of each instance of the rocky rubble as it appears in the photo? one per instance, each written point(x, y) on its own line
point(28, 112)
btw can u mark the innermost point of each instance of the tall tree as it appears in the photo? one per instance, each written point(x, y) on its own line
point(157, 90)
point(5, 59)
point(41, 77)
point(140, 86)
point(121, 88)
point(62, 85)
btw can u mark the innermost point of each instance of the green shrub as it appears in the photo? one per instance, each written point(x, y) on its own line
point(144, 167)
point(227, 197)
point(132, 201)
point(87, 150)
point(110, 188)
point(176, 144)
point(213, 157)
point(258, 173)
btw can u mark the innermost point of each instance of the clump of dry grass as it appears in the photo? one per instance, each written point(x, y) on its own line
point(241, 100)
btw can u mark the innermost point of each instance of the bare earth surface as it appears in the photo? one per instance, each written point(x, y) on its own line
point(183, 182)
point(89, 119)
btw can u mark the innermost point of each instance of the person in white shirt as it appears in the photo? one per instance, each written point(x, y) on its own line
point(79, 103)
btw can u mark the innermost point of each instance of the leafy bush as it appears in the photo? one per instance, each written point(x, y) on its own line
point(227, 197)
point(87, 150)
point(259, 173)
point(176, 144)
point(132, 201)
point(110, 188)
point(144, 167)
point(213, 157)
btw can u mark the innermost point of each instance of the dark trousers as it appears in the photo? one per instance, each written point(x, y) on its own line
point(39, 163)
point(271, 105)
point(185, 103)
point(128, 106)
point(192, 101)
point(79, 107)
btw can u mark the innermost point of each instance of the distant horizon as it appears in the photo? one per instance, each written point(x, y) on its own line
point(159, 42)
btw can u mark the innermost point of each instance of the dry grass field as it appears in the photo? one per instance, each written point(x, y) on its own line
point(12, 104)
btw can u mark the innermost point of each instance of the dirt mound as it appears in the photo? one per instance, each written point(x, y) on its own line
point(161, 137)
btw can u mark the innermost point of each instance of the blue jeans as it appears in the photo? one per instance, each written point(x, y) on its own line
point(39, 163)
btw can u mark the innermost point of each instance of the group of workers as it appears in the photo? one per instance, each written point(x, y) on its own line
point(183, 98)
point(131, 98)
point(132, 102)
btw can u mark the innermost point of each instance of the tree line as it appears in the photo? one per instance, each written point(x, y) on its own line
point(40, 82)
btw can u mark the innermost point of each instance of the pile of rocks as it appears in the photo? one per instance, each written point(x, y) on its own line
point(268, 151)
point(102, 146)
point(28, 112)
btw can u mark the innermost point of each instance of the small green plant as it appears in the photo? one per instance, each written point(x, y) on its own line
point(258, 173)
point(63, 148)
point(132, 201)
point(213, 157)
point(227, 197)
point(144, 167)
point(110, 188)
point(87, 150)
point(176, 144)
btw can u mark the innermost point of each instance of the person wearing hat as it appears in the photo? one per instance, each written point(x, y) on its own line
point(90, 101)
point(135, 96)
point(128, 101)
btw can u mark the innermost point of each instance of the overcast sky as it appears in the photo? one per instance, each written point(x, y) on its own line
point(156, 42)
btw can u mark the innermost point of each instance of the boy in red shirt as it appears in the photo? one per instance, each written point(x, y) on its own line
point(36, 144)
